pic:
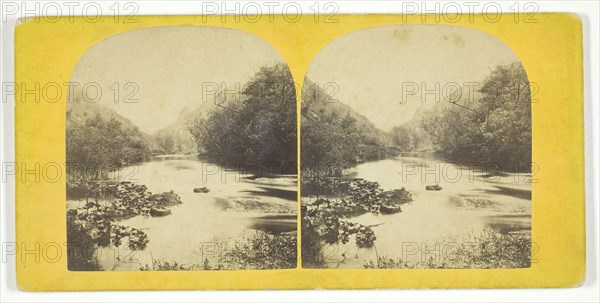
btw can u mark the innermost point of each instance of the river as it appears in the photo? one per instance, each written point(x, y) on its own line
point(471, 200)
point(204, 225)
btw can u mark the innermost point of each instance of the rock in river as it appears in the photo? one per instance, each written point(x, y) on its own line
point(436, 187)
point(159, 212)
point(389, 209)
point(202, 190)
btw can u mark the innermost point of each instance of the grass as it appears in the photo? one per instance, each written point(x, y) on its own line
point(259, 251)
point(488, 250)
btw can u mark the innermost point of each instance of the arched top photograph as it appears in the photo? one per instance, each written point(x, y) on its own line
point(180, 140)
point(416, 134)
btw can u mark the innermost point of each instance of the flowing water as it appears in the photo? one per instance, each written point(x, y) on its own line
point(439, 218)
point(202, 227)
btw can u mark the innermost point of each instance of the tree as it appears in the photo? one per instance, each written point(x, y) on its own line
point(166, 142)
point(81, 248)
point(332, 138)
point(403, 138)
point(495, 129)
point(98, 146)
point(259, 127)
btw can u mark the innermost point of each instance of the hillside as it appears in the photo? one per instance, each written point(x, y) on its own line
point(335, 136)
point(316, 103)
point(79, 111)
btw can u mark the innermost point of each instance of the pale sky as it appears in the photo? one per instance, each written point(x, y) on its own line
point(169, 66)
point(370, 66)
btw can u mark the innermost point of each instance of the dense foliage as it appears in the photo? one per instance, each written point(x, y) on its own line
point(334, 136)
point(488, 250)
point(97, 146)
point(404, 138)
point(259, 251)
point(175, 139)
point(410, 136)
point(495, 128)
point(259, 127)
point(332, 143)
point(81, 247)
point(265, 251)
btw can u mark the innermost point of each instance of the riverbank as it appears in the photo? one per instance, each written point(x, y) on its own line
point(465, 208)
point(203, 219)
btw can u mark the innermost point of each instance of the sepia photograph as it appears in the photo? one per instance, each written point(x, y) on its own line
point(181, 153)
point(416, 152)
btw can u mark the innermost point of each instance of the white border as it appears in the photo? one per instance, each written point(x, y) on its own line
point(588, 292)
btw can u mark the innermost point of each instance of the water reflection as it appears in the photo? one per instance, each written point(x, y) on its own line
point(275, 224)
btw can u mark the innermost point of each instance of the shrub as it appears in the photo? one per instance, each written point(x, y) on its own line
point(265, 251)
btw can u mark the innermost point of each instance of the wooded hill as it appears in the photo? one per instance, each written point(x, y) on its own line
point(335, 136)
